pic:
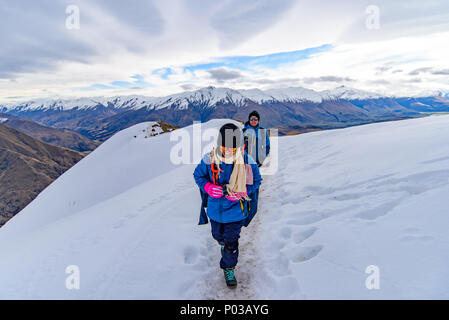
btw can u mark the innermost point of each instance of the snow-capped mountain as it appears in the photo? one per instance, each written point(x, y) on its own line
point(209, 96)
point(132, 101)
point(341, 203)
point(347, 93)
point(443, 93)
point(433, 93)
point(206, 97)
point(100, 118)
point(295, 94)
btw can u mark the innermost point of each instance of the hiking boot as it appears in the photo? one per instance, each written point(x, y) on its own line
point(230, 279)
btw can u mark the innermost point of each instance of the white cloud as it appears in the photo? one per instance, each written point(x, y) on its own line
point(117, 41)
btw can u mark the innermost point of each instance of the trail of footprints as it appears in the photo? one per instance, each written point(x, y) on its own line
point(288, 245)
point(294, 234)
point(296, 252)
point(291, 241)
point(293, 229)
point(296, 224)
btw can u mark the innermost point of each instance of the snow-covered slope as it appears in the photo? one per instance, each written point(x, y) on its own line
point(341, 200)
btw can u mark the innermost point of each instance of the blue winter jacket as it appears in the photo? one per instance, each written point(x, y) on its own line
point(221, 209)
point(255, 145)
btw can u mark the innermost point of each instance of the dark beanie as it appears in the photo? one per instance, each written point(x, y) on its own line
point(230, 136)
point(254, 113)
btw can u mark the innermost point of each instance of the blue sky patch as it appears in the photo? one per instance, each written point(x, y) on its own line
point(163, 72)
point(272, 61)
point(139, 82)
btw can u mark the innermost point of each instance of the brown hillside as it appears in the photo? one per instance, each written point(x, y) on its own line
point(27, 166)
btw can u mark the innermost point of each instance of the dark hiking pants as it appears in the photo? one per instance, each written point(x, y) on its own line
point(227, 234)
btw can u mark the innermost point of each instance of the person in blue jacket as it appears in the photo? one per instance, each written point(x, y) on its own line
point(257, 145)
point(256, 138)
point(228, 180)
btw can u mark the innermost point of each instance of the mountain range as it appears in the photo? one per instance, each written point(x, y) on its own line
point(292, 109)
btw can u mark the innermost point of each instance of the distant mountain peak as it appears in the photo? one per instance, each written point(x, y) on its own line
point(434, 93)
point(348, 93)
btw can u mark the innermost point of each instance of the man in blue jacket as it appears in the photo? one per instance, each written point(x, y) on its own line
point(257, 144)
point(228, 180)
point(256, 138)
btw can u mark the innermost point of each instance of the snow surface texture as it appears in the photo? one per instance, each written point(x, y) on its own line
point(341, 201)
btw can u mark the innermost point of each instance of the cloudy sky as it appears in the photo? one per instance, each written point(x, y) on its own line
point(85, 48)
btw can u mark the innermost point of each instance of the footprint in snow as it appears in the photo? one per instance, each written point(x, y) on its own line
point(379, 211)
point(285, 233)
point(288, 287)
point(190, 255)
point(305, 253)
point(279, 265)
point(303, 235)
point(277, 245)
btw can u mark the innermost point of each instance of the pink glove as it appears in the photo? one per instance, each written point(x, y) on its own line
point(237, 196)
point(213, 190)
